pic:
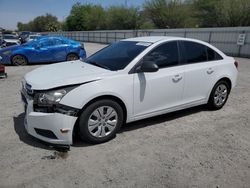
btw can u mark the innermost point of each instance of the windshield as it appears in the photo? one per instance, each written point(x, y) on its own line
point(31, 43)
point(118, 55)
point(10, 37)
point(33, 36)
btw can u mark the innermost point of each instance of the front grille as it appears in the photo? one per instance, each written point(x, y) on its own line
point(24, 98)
point(28, 89)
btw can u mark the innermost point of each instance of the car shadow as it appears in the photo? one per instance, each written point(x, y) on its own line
point(32, 141)
point(25, 137)
point(162, 118)
point(140, 124)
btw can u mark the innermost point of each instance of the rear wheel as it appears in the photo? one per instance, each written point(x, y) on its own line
point(19, 60)
point(100, 121)
point(71, 57)
point(219, 95)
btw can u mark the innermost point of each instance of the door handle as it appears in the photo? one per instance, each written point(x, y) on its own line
point(177, 78)
point(210, 71)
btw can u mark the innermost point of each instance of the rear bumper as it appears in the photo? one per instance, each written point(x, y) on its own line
point(48, 126)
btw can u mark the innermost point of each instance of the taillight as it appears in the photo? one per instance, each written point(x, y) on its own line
point(2, 68)
point(236, 64)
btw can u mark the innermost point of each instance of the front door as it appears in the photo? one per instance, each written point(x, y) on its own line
point(159, 91)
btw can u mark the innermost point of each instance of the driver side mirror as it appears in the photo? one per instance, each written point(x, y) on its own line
point(147, 66)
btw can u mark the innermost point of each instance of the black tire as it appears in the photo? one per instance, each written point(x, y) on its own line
point(86, 134)
point(19, 60)
point(212, 102)
point(72, 57)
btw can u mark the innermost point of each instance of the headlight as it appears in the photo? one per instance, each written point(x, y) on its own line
point(50, 98)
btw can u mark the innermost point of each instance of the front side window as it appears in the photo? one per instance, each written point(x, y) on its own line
point(164, 55)
point(118, 55)
point(195, 52)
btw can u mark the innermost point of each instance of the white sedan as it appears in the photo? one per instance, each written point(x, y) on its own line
point(129, 80)
point(32, 37)
point(10, 40)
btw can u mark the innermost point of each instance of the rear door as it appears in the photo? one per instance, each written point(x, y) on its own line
point(41, 52)
point(200, 66)
point(58, 50)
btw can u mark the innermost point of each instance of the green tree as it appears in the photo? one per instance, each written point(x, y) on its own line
point(222, 13)
point(85, 17)
point(168, 13)
point(121, 17)
point(206, 12)
point(234, 13)
point(43, 23)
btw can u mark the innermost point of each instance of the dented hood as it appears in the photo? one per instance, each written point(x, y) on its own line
point(62, 74)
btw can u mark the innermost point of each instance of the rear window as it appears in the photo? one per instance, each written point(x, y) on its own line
point(195, 52)
point(212, 55)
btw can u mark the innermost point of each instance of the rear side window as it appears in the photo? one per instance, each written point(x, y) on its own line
point(58, 42)
point(164, 55)
point(195, 52)
point(212, 55)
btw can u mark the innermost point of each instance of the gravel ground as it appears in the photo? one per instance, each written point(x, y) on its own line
point(189, 148)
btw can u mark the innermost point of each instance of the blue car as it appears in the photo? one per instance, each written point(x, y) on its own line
point(44, 49)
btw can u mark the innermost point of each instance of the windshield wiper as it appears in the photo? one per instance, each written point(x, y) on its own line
point(98, 65)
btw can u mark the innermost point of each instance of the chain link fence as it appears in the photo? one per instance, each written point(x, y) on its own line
point(234, 41)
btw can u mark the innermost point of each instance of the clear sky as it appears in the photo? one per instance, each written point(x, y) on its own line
point(13, 11)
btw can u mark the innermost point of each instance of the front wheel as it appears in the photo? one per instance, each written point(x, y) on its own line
point(71, 57)
point(219, 95)
point(19, 60)
point(100, 121)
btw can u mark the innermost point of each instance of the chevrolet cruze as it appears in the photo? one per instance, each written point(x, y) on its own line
point(129, 80)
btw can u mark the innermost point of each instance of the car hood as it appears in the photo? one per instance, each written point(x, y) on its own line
point(64, 74)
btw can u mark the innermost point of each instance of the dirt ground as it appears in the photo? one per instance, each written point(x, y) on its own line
point(189, 148)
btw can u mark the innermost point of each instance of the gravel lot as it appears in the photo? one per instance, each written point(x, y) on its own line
point(189, 148)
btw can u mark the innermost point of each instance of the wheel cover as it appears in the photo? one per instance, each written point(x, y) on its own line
point(102, 121)
point(220, 95)
point(19, 60)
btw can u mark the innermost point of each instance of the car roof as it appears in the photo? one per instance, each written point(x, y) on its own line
point(40, 37)
point(153, 39)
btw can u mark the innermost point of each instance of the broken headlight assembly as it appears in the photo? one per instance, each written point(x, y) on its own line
point(48, 101)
